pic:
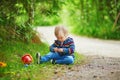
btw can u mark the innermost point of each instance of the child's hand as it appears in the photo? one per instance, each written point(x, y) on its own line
point(60, 50)
point(56, 49)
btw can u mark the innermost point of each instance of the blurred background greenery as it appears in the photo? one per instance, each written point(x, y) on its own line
point(84, 17)
point(91, 18)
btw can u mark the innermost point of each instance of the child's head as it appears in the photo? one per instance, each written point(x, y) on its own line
point(61, 33)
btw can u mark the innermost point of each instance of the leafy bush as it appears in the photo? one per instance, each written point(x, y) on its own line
point(17, 17)
point(92, 18)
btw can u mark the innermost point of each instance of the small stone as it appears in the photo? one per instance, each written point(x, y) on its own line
point(55, 72)
point(81, 76)
point(89, 65)
point(112, 72)
point(102, 67)
point(102, 57)
point(77, 70)
point(94, 76)
point(69, 68)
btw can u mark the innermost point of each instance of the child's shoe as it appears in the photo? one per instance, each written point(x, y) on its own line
point(38, 57)
point(53, 61)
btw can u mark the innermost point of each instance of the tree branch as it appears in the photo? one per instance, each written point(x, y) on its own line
point(115, 21)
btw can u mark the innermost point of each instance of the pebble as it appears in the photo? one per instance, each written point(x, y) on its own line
point(101, 68)
point(94, 76)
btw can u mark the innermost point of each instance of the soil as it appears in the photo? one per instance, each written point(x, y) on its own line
point(97, 68)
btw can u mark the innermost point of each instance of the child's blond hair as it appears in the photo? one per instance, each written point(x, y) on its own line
point(61, 30)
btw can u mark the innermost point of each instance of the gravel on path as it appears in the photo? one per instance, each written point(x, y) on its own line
point(98, 68)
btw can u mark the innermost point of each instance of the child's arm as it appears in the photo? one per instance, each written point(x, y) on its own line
point(70, 49)
point(55, 49)
point(52, 48)
point(59, 49)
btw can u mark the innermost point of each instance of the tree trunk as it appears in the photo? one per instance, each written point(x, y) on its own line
point(31, 12)
point(113, 28)
point(29, 7)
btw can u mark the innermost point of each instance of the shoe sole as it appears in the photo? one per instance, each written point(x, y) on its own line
point(38, 58)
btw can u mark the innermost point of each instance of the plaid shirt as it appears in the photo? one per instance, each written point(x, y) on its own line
point(67, 46)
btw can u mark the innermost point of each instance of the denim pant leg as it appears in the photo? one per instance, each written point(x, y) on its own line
point(65, 60)
point(49, 56)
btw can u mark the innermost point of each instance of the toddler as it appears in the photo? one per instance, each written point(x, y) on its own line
point(61, 51)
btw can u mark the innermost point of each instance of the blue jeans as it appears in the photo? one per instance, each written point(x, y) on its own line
point(65, 59)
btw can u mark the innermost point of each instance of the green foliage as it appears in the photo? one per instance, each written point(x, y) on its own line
point(15, 23)
point(92, 18)
point(18, 33)
point(11, 53)
point(47, 12)
point(17, 17)
point(27, 35)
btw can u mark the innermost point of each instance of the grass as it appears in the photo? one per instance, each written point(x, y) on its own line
point(11, 53)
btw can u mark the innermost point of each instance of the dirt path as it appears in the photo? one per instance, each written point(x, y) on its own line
point(98, 68)
point(86, 46)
